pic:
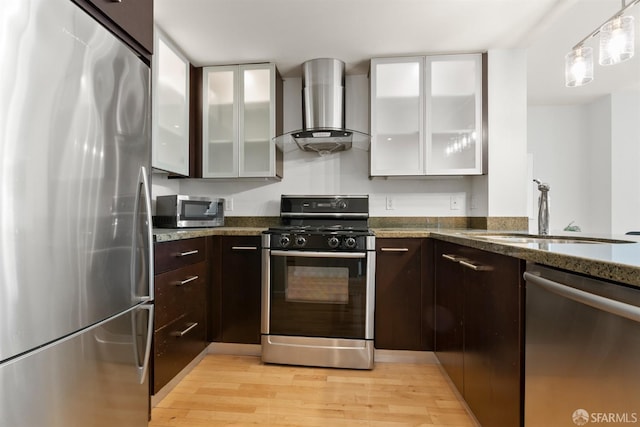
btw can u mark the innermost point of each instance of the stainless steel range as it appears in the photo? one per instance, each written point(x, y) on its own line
point(318, 287)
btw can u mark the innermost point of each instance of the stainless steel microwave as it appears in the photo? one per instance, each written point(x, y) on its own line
point(181, 211)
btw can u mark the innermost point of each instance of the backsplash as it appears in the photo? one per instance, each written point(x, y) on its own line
point(478, 223)
point(344, 173)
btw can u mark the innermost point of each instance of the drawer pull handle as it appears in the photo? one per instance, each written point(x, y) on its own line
point(475, 267)
point(244, 248)
point(185, 281)
point(186, 331)
point(450, 257)
point(193, 252)
point(394, 249)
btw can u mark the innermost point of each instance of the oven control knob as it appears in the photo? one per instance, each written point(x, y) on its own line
point(301, 241)
point(341, 204)
point(350, 242)
point(284, 241)
point(333, 242)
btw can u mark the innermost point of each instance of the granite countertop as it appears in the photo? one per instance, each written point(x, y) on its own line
point(619, 262)
point(169, 234)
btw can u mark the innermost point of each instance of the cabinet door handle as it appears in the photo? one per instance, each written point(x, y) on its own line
point(244, 248)
point(450, 257)
point(187, 253)
point(186, 331)
point(394, 249)
point(475, 267)
point(185, 281)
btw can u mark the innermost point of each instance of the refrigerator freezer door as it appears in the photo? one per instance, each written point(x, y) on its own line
point(74, 134)
point(92, 378)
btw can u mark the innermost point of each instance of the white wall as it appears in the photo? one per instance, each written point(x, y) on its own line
point(590, 155)
point(557, 140)
point(625, 160)
point(596, 186)
point(507, 123)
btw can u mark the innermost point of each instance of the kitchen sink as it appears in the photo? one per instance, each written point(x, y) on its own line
point(535, 238)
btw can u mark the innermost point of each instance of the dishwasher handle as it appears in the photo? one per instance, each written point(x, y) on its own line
point(617, 308)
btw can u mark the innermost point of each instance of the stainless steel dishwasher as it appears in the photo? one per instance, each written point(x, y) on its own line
point(582, 350)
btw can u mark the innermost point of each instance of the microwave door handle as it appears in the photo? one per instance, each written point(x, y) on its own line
point(311, 254)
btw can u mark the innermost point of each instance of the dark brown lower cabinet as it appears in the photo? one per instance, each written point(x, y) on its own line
point(479, 330)
point(180, 307)
point(404, 294)
point(449, 314)
point(235, 299)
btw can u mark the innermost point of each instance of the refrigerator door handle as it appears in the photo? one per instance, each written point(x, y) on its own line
point(144, 193)
point(144, 367)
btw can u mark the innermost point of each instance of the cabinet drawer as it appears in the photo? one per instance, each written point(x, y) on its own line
point(178, 292)
point(178, 253)
point(176, 345)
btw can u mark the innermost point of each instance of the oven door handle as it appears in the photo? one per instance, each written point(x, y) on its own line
point(310, 254)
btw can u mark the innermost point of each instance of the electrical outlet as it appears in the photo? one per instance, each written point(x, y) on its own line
point(228, 204)
point(391, 204)
point(455, 203)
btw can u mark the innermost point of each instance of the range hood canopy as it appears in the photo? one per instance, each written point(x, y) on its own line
point(323, 110)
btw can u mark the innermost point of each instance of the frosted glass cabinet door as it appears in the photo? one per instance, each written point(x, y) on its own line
point(220, 122)
point(397, 146)
point(257, 120)
point(170, 148)
point(454, 114)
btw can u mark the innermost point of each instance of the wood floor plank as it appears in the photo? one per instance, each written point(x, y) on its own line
point(241, 391)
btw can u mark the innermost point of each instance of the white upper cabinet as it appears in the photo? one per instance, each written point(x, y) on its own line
point(454, 115)
point(220, 122)
point(240, 120)
point(427, 116)
point(170, 148)
point(397, 103)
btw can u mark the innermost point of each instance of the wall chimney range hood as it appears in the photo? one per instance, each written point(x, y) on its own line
point(323, 110)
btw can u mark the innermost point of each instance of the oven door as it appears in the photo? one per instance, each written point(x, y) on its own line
point(319, 294)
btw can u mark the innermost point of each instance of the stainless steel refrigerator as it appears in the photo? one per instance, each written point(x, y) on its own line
point(75, 235)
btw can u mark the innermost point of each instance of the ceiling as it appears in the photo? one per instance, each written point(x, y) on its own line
point(289, 32)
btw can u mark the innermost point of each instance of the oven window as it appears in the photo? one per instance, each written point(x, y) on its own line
point(318, 297)
point(317, 284)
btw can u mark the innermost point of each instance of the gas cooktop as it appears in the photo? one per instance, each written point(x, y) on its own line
point(322, 222)
point(319, 229)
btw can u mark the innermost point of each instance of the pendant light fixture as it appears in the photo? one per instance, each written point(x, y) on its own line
point(616, 45)
point(616, 40)
point(579, 66)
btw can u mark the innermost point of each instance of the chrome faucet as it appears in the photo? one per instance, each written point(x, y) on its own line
point(543, 208)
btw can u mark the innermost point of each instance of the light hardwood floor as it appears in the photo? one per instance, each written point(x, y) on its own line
point(239, 390)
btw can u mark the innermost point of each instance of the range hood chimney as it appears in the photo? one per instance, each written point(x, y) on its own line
point(323, 109)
